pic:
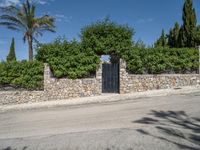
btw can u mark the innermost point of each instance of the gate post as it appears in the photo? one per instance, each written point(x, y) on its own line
point(99, 78)
point(199, 58)
point(123, 83)
point(47, 77)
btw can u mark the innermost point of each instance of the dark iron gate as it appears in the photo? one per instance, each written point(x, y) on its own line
point(110, 78)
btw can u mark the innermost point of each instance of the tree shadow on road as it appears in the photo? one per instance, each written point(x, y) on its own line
point(10, 148)
point(173, 125)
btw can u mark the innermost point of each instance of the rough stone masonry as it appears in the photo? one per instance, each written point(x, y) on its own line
point(59, 89)
point(130, 83)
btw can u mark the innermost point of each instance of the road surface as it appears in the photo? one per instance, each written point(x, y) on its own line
point(157, 123)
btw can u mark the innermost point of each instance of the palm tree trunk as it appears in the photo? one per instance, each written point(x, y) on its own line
point(30, 46)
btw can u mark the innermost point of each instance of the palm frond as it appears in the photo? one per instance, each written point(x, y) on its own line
point(10, 25)
point(24, 38)
point(12, 19)
point(9, 10)
point(44, 23)
point(13, 28)
point(23, 19)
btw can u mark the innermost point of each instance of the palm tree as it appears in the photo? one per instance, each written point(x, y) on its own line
point(23, 19)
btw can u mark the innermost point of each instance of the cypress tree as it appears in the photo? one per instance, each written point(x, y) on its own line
point(162, 41)
point(170, 38)
point(11, 55)
point(197, 36)
point(189, 24)
point(176, 34)
point(181, 38)
point(173, 36)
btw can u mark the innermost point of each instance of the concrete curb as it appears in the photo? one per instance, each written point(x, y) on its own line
point(106, 98)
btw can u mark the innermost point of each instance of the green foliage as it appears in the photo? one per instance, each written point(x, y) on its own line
point(23, 18)
point(173, 36)
point(139, 44)
point(162, 41)
point(11, 56)
point(162, 60)
point(181, 38)
point(28, 75)
point(68, 59)
point(134, 60)
point(106, 38)
point(197, 36)
point(186, 35)
point(77, 60)
point(189, 23)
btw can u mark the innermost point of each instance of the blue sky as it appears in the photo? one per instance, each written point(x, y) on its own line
point(147, 17)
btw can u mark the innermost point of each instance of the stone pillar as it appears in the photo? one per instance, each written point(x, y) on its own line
point(123, 84)
point(199, 58)
point(99, 78)
point(47, 76)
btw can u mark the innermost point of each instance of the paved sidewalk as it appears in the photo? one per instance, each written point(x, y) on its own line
point(100, 99)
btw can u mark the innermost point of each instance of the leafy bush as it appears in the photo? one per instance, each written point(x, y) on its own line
point(77, 60)
point(67, 59)
point(162, 60)
point(28, 75)
point(107, 38)
point(133, 60)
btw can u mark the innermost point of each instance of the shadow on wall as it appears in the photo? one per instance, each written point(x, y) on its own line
point(172, 125)
point(10, 148)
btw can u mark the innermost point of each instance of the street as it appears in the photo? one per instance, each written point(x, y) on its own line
point(157, 123)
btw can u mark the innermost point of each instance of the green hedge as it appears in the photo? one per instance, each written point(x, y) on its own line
point(162, 60)
point(68, 59)
point(107, 37)
point(27, 75)
point(72, 60)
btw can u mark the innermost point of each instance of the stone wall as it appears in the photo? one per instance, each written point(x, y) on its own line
point(57, 89)
point(67, 88)
point(20, 97)
point(130, 83)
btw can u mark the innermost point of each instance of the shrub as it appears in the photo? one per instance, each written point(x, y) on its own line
point(133, 60)
point(28, 75)
point(67, 59)
point(107, 38)
point(77, 60)
point(162, 60)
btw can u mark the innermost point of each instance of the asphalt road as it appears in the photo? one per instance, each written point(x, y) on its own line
point(159, 123)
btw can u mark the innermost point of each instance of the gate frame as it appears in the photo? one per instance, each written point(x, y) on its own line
point(118, 76)
point(123, 76)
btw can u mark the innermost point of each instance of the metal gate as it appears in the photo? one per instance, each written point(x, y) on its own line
point(110, 78)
